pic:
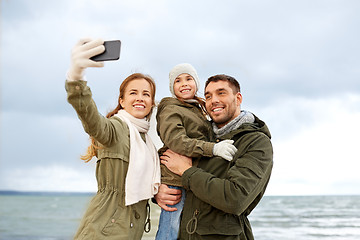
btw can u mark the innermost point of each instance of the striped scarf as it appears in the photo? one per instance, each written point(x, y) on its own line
point(244, 117)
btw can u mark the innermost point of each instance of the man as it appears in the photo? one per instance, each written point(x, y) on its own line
point(221, 194)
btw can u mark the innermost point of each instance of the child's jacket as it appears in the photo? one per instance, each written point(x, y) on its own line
point(183, 128)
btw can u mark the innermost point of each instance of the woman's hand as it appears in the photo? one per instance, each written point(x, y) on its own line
point(175, 162)
point(80, 57)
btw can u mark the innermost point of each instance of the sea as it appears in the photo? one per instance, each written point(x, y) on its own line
point(55, 216)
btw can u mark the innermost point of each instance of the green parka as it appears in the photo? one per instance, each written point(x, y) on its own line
point(183, 128)
point(221, 194)
point(107, 217)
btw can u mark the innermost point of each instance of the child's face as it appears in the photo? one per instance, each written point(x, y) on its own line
point(185, 86)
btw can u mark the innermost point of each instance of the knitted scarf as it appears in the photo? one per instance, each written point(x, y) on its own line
point(244, 117)
point(143, 176)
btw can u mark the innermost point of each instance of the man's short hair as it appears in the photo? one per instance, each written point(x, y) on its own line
point(234, 84)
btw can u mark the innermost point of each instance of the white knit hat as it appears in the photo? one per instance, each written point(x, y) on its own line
point(180, 69)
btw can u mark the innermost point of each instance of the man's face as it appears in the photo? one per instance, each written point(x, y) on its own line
point(221, 102)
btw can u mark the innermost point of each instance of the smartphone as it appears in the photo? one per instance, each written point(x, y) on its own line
point(112, 52)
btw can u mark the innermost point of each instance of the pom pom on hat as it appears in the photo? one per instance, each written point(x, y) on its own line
point(180, 69)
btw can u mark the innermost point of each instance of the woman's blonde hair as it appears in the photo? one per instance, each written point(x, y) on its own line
point(92, 149)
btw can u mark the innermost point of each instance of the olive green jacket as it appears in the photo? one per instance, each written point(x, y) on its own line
point(183, 128)
point(221, 194)
point(107, 217)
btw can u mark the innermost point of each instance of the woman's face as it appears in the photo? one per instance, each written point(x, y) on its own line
point(137, 99)
point(185, 86)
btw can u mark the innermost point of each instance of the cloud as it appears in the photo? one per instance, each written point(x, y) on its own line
point(54, 178)
point(320, 154)
point(298, 49)
point(297, 63)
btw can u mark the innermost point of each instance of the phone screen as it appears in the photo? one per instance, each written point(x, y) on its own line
point(112, 52)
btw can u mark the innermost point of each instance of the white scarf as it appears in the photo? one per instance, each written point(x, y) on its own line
point(143, 176)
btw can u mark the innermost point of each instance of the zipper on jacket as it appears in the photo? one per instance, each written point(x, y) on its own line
point(191, 226)
point(147, 226)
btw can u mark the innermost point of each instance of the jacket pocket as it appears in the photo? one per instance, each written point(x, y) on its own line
point(212, 221)
point(225, 228)
point(117, 223)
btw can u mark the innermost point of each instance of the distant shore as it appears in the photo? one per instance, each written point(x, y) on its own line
point(43, 193)
point(58, 193)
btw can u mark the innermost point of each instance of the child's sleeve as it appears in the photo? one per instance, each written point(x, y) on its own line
point(172, 132)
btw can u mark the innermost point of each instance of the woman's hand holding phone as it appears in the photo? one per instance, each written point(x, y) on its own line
point(80, 57)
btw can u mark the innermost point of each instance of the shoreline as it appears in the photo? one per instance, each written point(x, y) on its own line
point(58, 193)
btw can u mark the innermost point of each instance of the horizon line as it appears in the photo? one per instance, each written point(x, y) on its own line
point(29, 192)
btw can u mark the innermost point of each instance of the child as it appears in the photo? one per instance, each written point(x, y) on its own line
point(183, 128)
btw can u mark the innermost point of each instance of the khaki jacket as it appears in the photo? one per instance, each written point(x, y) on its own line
point(221, 194)
point(183, 128)
point(107, 217)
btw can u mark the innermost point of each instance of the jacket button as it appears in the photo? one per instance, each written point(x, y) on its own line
point(131, 225)
point(217, 140)
point(77, 87)
point(137, 215)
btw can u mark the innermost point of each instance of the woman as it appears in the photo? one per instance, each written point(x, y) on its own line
point(120, 207)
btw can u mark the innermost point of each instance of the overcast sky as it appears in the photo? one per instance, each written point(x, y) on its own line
point(297, 62)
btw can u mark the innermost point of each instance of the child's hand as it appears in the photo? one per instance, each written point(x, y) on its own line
point(225, 149)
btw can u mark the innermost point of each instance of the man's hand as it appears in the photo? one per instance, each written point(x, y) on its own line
point(80, 57)
point(175, 162)
point(168, 196)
